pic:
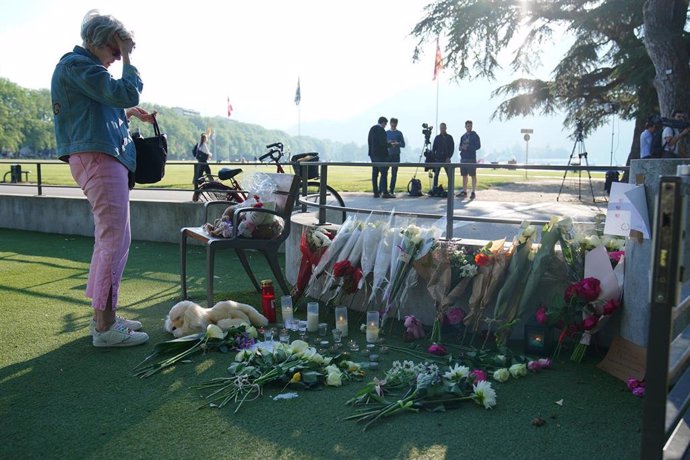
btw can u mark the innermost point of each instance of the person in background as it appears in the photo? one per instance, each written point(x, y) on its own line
point(202, 155)
point(469, 144)
point(396, 141)
point(378, 152)
point(442, 149)
point(646, 140)
point(674, 139)
point(91, 112)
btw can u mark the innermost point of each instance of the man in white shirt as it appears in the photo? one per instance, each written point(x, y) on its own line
point(673, 138)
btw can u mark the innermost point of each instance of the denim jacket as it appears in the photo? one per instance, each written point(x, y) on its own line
point(89, 107)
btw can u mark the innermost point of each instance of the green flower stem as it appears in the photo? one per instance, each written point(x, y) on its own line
point(418, 355)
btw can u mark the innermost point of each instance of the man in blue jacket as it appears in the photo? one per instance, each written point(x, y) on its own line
point(469, 144)
point(396, 141)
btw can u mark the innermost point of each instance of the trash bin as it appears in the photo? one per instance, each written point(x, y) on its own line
point(15, 173)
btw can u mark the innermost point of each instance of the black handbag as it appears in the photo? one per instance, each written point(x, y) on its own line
point(152, 153)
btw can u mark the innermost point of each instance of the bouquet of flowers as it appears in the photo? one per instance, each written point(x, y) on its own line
point(372, 235)
point(384, 252)
point(520, 264)
point(329, 257)
point(492, 261)
point(586, 304)
point(415, 242)
point(214, 338)
point(347, 271)
point(315, 241)
point(422, 386)
point(296, 364)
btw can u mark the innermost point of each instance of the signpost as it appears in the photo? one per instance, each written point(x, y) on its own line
point(526, 137)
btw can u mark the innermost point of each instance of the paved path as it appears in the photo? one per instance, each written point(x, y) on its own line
point(521, 201)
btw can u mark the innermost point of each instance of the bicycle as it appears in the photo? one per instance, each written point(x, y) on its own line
point(211, 188)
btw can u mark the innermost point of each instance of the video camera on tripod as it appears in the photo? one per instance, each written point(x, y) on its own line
point(428, 154)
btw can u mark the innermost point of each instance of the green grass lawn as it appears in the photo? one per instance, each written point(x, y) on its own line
point(341, 178)
point(63, 398)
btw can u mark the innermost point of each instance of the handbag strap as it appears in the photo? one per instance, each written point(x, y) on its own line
point(156, 129)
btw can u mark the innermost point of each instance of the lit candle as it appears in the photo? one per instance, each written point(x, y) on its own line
point(313, 316)
point(372, 333)
point(341, 320)
point(286, 309)
point(372, 326)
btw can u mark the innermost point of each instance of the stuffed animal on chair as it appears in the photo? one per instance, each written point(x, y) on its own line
point(187, 317)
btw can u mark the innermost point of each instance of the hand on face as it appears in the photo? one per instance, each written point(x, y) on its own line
point(125, 46)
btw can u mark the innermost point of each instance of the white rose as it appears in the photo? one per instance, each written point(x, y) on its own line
point(334, 379)
point(298, 346)
point(214, 332)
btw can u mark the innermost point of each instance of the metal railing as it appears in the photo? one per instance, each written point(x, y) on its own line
point(323, 173)
point(666, 419)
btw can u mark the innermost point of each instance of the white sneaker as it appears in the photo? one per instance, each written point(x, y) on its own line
point(128, 323)
point(119, 336)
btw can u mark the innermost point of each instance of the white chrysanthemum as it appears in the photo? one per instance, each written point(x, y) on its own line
point(396, 366)
point(484, 394)
point(457, 372)
point(468, 271)
point(407, 366)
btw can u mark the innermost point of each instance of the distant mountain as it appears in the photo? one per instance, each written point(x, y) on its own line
point(501, 140)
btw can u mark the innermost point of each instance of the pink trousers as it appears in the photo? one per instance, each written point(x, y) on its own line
point(104, 182)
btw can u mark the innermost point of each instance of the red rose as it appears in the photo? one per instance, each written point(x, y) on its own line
point(590, 322)
point(437, 349)
point(541, 315)
point(342, 268)
point(482, 259)
point(611, 306)
point(589, 289)
point(570, 292)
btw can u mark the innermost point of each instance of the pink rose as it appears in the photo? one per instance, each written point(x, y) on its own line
point(615, 256)
point(478, 375)
point(541, 315)
point(545, 363)
point(590, 322)
point(534, 366)
point(611, 306)
point(437, 349)
point(589, 289)
point(639, 392)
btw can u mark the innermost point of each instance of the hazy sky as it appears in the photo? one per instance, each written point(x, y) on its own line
point(349, 56)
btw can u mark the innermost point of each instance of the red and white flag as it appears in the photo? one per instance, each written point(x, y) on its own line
point(229, 107)
point(438, 62)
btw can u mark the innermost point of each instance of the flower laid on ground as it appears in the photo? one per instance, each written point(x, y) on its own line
point(214, 338)
point(636, 387)
point(296, 364)
point(424, 387)
point(315, 241)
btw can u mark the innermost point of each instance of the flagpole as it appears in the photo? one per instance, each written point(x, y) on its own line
point(437, 102)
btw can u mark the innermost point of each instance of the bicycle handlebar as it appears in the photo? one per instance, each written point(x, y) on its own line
point(266, 155)
point(276, 144)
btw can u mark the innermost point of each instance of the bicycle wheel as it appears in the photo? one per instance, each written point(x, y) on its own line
point(333, 198)
point(213, 191)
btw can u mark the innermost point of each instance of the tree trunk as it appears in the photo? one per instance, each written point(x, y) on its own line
point(664, 21)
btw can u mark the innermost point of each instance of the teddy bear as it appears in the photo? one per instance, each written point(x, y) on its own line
point(186, 317)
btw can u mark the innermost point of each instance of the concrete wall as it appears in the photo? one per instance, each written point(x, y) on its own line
point(638, 255)
point(150, 220)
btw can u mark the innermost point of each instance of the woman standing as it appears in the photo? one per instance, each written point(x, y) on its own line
point(91, 116)
point(202, 154)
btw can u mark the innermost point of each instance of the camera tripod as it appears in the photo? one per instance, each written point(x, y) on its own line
point(578, 147)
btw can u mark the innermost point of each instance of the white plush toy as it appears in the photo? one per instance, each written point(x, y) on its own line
point(187, 317)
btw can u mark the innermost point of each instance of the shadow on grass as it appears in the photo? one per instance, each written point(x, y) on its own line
point(63, 398)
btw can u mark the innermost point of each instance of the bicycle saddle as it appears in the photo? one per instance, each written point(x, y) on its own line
point(227, 173)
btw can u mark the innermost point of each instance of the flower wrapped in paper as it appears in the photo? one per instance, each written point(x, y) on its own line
point(314, 242)
point(508, 297)
point(350, 257)
point(492, 261)
point(414, 243)
point(329, 257)
point(372, 235)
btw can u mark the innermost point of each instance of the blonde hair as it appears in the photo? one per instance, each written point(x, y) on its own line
point(98, 29)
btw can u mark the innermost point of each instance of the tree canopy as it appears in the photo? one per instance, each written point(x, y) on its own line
point(26, 127)
point(606, 70)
